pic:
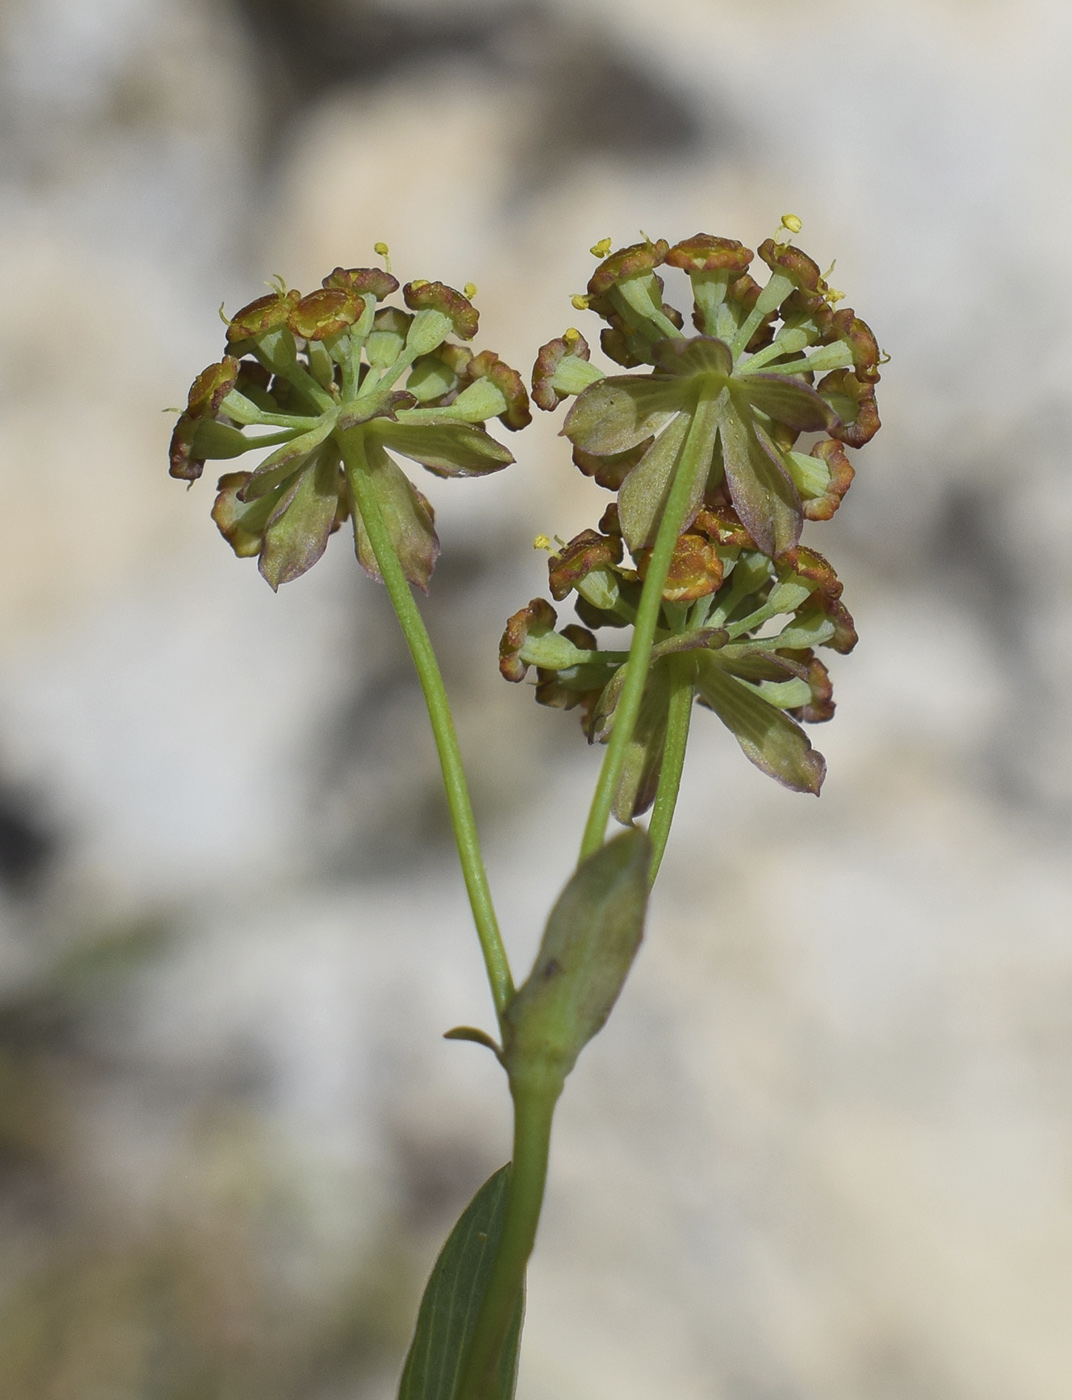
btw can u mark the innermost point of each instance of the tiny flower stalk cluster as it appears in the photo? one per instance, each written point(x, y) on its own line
point(718, 444)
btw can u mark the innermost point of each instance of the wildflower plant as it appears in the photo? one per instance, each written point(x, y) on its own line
point(718, 445)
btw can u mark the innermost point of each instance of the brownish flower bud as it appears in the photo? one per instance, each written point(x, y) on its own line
point(705, 252)
point(841, 476)
point(363, 281)
point(695, 568)
point(791, 262)
point(487, 365)
point(855, 405)
point(265, 314)
point(810, 564)
point(325, 312)
point(820, 707)
point(627, 262)
point(550, 356)
point(860, 339)
point(437, 296)
point(206, 395)
point(539, 617)
point(584, 553)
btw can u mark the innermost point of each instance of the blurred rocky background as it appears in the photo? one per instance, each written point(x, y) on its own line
point(822, 1152)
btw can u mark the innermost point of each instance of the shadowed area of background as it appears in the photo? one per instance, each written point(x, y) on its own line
point(822, 1151)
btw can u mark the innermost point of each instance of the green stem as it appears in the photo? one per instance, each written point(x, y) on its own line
point(435, 696)
point(677, 737)
point(695, 455)
point(534, 1107)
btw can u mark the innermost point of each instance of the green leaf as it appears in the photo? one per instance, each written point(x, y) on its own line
point(642, 498)
point(448, 449)
point(773, 742)
point(452, 1301)
point(587, 950)
point(764, 497)
point(615, 414)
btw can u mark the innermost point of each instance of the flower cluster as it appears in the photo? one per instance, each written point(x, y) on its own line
point(757, 409)
point(346, 382)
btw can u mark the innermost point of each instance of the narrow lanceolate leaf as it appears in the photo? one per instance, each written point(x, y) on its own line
point(587, 950)
point(452, 1301)
point(615, 414)
point(763, 495)
point(768, 737)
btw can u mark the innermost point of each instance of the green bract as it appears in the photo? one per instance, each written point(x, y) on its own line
point(345, 382)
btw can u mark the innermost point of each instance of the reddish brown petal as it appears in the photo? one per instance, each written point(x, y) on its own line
point(551, 355)
point(705, 252)
point(695, 569)
point(854, 403)
point(211, 387)
point(487, 365)
point(364, 281)
point(437, 296)
point(324, 312)
point(627, 262)
point(584, 553)
point(860, 339)
point(791, 262)
point(841, 475)
point(821, 706)
point(264, 314)
point(539, 617)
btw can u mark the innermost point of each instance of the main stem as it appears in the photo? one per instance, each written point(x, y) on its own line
point(694, 458)
point(446, 739)
point(677, 737)
point(534, 1107)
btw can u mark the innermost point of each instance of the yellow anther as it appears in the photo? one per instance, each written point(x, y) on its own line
point(579, 303)
point(792, 223)
point(833, 296)
point(571, 335)
point(419, 282)
point(541, 542)
point(600, 249)
point(382, 250)
point(470, 290)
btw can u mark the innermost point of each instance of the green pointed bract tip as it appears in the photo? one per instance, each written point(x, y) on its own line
point(341, 376)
